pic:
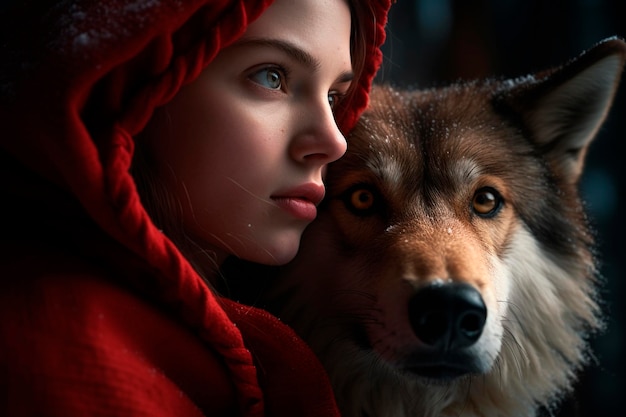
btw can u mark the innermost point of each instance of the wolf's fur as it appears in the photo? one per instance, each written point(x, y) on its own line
point(405, 210)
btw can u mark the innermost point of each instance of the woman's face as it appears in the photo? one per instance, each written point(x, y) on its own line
point(244, 146)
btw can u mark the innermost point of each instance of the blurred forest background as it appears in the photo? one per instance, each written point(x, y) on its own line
point(435, 42)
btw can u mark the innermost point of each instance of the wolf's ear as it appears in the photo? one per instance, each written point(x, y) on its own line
point(564, 108)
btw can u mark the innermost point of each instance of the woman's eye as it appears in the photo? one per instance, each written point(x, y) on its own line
point(271, 78)
point(334, 98)
point(487, 202)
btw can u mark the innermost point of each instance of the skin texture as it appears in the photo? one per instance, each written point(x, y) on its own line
point(243, 148)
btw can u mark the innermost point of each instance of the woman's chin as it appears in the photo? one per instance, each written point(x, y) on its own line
point(278, 252)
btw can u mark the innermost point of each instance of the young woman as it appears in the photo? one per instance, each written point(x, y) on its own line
point(142, 143)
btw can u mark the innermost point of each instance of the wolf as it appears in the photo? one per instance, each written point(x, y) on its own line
point(451, 270)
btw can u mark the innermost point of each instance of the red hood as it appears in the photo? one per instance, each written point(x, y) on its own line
point(64, 61)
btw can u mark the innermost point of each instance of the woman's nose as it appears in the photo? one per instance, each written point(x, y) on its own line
point(319, 138)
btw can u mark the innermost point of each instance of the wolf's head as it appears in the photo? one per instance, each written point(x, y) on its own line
point(450, 270)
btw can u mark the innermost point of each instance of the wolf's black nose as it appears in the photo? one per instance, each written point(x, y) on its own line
point(447, 316)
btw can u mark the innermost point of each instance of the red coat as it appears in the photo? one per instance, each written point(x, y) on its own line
point(100, 314)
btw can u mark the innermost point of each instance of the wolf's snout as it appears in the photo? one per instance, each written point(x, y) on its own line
point(447, 316)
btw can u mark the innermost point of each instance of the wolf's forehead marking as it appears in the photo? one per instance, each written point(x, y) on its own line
point(465, 170)
point(386, 167)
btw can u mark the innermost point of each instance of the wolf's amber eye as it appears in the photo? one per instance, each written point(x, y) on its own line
point(486, 202)
point(362, 199)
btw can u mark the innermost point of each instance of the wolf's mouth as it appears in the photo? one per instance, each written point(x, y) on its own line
point(432, 365)
point(440, 372)
point(441, 366)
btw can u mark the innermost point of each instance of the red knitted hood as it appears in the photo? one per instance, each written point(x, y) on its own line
point(78, 79)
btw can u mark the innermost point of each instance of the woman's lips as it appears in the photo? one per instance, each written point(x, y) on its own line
point(300, 201)
point(297, 207)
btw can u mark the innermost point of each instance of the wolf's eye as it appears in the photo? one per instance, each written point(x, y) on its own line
point(361, 200)
point(486, 202)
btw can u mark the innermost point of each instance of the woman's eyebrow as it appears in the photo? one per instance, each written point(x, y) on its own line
point(296, 53)
point(288, 48)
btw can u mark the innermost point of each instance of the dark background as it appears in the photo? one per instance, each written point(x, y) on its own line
point(434, 42)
